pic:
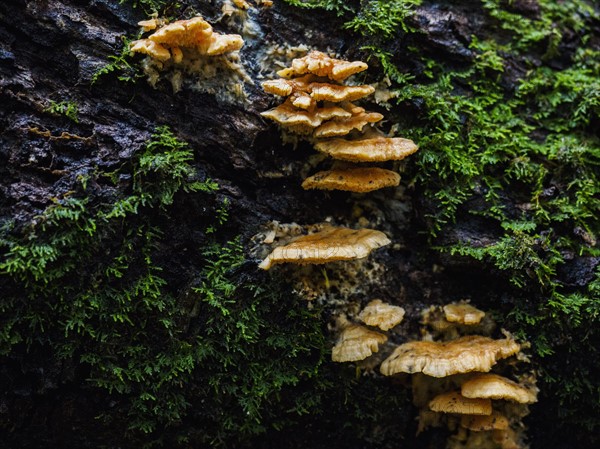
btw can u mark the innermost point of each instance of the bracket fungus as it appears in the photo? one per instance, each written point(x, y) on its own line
point(352, 179)
point(455, 319)
point(151, 48)
point(376, 149)
point(192, 47)
point(454, 402)
point(357, 119)
point(319, 64)
point(356, 343)
point(381, 315)
point(328, 245)
point(480, 423)
point(452, 385)
point(463, 313)
point(301, 121)
point(309, 87)
point(195, 33)
point(150, 24)
point(441, 359)
point(493, 386)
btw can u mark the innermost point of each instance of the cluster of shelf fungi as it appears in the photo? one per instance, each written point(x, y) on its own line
point(318, 107)
point(191, 52)
point(454, 369)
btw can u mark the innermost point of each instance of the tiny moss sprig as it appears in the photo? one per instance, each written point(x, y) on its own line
point(69, 109)
point(388, 67)
point(154, 6)
point(121, 65)
point(337, 6)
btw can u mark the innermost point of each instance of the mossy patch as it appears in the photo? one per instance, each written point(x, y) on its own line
point(84, 281)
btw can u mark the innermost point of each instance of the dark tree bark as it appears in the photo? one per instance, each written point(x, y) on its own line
point(51, 49)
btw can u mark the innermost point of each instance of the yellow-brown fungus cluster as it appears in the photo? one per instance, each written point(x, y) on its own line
point(453, 383)
point(319, 107)
point(170, 41)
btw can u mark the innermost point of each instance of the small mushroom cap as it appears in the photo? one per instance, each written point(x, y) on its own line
point(480, 423)
point(382, 315)
point(302, 121)
point(377, 149)
point(177, 55)
point(223, 43)
point(148, 25)
point(506, 438)
point(441, 359)
point(342, 126)
point(356, 343)
point(493, 386)
point(242, 4)
point(303, 101)
point(150, 48)
point(463, 313)
point(352, 179)
point(283, 88)
point(318, 63)
point(454, 402)
point(317, 91)
point(183, 33)
point(337, 93)
point(327, 245)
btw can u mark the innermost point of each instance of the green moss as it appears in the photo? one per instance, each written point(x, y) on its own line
point(85, 285)
point(389, 68)
point(67, 108)
point(543, 30)
point(215, 358)
point(121, 65)
point(338, 6)
point(382, 18)
point(153, 6)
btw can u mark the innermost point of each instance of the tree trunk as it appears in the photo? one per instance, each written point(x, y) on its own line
point(59, 374)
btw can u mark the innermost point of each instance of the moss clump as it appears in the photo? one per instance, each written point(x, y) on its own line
point(84, 282)
point(382, 17)
point(374, 18)
point(84, 285)
point(121, 64)
point(68, 109)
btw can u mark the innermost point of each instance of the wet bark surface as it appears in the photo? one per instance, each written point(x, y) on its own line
point(49, 50)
